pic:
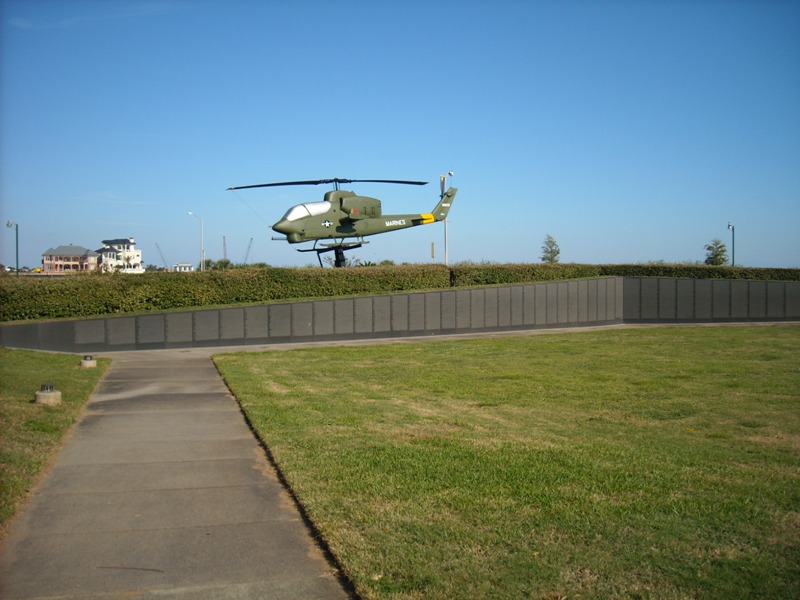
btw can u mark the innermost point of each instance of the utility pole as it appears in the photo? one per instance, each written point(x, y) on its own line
point(16, 238)
point(733, 243)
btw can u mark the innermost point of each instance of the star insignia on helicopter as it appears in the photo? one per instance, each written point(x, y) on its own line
point(326, 223)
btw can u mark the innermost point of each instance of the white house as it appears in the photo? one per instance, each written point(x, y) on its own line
point(121, 256)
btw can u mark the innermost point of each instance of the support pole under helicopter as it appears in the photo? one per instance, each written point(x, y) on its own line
point(338, 252)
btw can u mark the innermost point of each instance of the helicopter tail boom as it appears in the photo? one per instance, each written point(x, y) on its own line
point(439, 213)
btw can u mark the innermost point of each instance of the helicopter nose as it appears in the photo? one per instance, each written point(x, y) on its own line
point(287, 228)
point(283, 226)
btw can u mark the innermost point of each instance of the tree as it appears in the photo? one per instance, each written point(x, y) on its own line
point(716, 253)
point(550, 250)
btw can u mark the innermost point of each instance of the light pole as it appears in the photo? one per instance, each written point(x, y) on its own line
point(202, 241)
point(446, 247)
point(442, 180)
point(733, 243)
point(16, 241)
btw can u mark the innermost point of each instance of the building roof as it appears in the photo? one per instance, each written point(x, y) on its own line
point(69, 250)
point(119, 241)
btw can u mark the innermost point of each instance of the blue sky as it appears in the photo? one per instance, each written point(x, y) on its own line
point(629, 131)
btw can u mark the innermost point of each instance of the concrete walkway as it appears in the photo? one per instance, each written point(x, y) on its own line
point(161, 491)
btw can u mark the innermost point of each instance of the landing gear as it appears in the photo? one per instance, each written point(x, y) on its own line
point(337, 249)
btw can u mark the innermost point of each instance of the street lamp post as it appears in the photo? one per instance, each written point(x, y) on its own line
point(446, 245)
point(733, 243)
point(16, 242)
point(202, 241)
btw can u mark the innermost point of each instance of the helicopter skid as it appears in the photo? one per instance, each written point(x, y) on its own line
point(337, 248)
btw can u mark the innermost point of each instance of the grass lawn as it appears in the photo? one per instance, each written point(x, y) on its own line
point(30, 433)
point(629, 463)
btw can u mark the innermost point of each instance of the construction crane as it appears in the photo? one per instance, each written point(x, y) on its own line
point(247, 254)
point(163, 260)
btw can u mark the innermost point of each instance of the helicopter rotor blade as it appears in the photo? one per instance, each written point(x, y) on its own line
point(315, 182)
point(383, 181)
point(334, 181)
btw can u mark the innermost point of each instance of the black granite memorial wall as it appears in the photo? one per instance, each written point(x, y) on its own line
point(579, 303)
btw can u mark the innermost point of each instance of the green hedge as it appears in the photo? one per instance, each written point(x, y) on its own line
point(701, 272)
point(91, 295)
point(470, 275)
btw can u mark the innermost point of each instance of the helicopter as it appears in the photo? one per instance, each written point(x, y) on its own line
point(342, 214)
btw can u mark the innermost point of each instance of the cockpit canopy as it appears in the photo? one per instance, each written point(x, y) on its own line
point(309, 209)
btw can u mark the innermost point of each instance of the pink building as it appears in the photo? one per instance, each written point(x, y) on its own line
point(69, 259)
